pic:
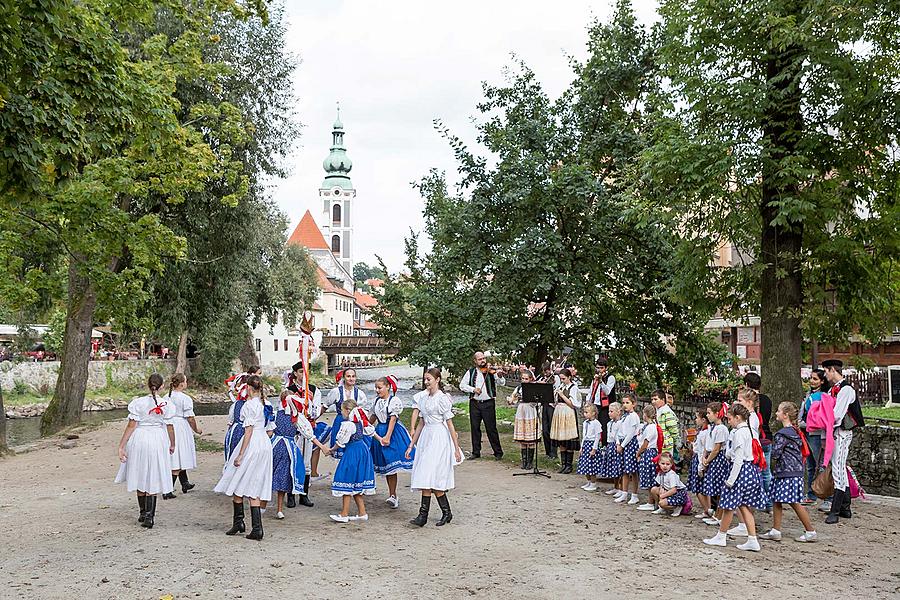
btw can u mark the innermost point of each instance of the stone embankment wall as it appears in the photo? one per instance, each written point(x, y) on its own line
point(40, 377)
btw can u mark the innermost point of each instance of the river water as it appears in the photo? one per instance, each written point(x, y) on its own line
point(24, 431)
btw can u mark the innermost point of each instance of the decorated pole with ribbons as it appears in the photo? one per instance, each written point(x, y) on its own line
point(306, 349)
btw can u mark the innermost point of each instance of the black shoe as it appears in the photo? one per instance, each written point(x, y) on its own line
point(446, 515)
point(291, 501)
point(498, 457)
point(529, 458)
point(836, 504)
point(524, 458)
point(303, 499)
point(562, 465)
point(473, 455)
point(142, 503)
point(169, 496)
point(150, 506)
point(256, 520)
point(237, 523)
point(845, 506)
point(423, 512)
point(567, 461)
point(186, 485)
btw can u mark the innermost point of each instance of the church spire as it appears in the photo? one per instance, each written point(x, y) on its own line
point(337, 164)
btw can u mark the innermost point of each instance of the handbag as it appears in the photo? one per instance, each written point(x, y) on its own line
point(823, 484)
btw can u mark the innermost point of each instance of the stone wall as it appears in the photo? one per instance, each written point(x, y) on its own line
point(41, 376)
point(874, 454)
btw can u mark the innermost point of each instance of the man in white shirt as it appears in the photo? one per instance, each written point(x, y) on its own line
point(602, 393)
point(847, 416)
point(548, 376)
point(481, 382)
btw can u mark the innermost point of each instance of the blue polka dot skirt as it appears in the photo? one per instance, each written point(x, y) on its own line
point(786, 490)
point(647, 469)
point(693, 484)
point(612, 466)
point(746, 491)
point(715, 475)
point(587, 464)
point(629, 460)
point(679, 498)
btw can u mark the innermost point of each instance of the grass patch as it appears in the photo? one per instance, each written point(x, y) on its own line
point(23, 396)
point(882, 413)
point(208, 445)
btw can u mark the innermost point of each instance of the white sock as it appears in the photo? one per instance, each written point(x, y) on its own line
point(262, 511)
point(773, 530)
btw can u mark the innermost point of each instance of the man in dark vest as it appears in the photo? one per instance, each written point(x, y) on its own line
point(481, 382)
point(295, 383)
point(548, 376)
point(847, 417)
point(602, 393)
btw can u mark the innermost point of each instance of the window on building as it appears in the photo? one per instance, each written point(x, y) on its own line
point(336, 244)
point(336, 215)
point(258, 344)
point(276, 345)
point(285, 345)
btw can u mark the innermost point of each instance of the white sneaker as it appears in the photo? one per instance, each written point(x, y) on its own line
point(701, 515)
point(772, 534)
point(634, 499)
point(659, 511)
point(586, 485)
point(621, 498)
point(648, 506)
point(720, 539)
point(612, 491)
point(339, 518)
point(677, 511)
point(752, 545)
point(359, 518)
point(392, 500)
point(825, 506)
point(590, 488)
point(807, 537)
point(319, 477)
point(279, 515)
point(712, 521)
point(739, 530)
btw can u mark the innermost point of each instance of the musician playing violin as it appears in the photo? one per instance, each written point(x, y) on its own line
point(481, 382)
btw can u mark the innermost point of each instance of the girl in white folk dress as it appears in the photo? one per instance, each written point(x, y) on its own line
point(185, 455)
point(145, 450)
point(525, 431)
point(437, 448)
point(249, 470)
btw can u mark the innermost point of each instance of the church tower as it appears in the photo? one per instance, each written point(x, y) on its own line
point(337, 196)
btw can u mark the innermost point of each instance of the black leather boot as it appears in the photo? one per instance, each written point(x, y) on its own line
point(150, 507)
point(303, 499)
point(291, 501)
point(567, 462)
point(446, 515)
point(142, 503)
point(836, 503)
point(237, 523)
point(524, 457)
point(423, 512)
point(562, 462)
point(845, 505)
point(256, 520)
point(170, 495)
point(186, 485)
point(529, 458)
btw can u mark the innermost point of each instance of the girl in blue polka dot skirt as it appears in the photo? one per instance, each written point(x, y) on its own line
point(650, 441)
point(612, 460)
point(788, 455)
point(743, 488)
point(713, 469)
point(701, 421)
point(589, 459)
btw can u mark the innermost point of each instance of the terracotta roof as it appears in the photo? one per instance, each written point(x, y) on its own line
point(365, 300)
point(316, 306)
point(367, 325)
point(375, 282)
point(326, 286)
point(308, 234)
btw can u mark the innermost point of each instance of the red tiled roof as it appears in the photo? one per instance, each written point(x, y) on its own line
point(373, 282)
point(326, 286)
point(365, 300)
point(367, 325)
point(307, 234)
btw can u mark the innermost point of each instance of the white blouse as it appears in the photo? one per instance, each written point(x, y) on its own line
point(649, 434)
point(184, 404)
point(700, 442)
point(669, 480)
point(253, 414)
point(718, 435)
point(612, 430)
point(628, 428)
point(591, 431)
point(435, 409)
point(385, 409)
point(148, 412)
point(348, 428)
point(335, 395)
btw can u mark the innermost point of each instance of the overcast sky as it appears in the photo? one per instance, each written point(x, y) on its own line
point(396, 65)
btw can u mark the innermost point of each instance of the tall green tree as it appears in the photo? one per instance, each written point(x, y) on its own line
point(780, 138)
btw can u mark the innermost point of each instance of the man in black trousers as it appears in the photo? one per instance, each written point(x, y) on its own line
point(481, 382)
point(548, 376)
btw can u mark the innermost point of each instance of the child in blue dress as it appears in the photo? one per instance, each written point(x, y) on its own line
point(391, 439)
point(743, 488)
point(355, 473)
point(627, 446)
point(695, 483)
point(713, 468)
point(612, 461)
point(650, 441)
point(789, 452)
point(669, 492)
point(589, 459)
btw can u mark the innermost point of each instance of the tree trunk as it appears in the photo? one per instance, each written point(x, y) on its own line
point(68, 398)
point(181, 362)
point(781, 244)
point(3, 447)
point(248, 356)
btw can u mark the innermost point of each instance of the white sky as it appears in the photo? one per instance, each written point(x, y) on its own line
point(394, 67)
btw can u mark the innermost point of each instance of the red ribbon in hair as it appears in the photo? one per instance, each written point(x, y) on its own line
point(359, 416)
point(338, 376)
point(759, 459)
point(659, 439)
point(655, 460)
point(804, 447)
point(722, 411)
point(392, 382)
point(762, 432)
point(156, 410)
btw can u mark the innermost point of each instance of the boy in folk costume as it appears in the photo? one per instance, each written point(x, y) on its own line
point(311, 409)
point(603, 392)
point(847, 417)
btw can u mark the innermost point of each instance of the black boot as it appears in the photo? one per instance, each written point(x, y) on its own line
point(256, 520)
point(142, 503)
point(423, 512)
point(291, 501)
point(150, 507)
point(567, 463)
point(529, 458)
point(237, 523)
point(524, 458)
point(836, 503)
point(845, 506)
point(562, 462)
point(170, 495)
point(446, 515)
point(186, 485)
point(303, 499)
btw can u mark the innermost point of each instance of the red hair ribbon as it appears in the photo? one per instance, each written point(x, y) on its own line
point(655, 460)
point(392, 382)
point(804, 447)
point(158, 409)
point(659, 439)
point(722, 411)
point(228, 381)
point(358, 415)
point(762, 432)
point(338, 376)
point(759, 459)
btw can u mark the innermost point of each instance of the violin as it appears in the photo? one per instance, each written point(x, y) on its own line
point(488, 369)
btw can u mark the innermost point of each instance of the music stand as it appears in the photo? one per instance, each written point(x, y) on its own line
point(538, 394)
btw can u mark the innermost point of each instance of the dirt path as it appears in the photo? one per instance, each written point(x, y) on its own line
point(70, 532)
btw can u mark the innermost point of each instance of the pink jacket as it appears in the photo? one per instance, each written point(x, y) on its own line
point(821, 418)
